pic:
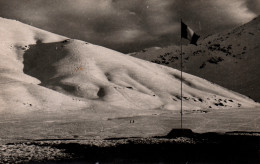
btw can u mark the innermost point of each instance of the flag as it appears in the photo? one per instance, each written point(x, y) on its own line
point(188, 33)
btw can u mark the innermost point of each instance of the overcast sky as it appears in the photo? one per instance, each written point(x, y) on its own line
point(130, 25)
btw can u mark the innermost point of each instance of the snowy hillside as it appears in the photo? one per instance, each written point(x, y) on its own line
point(230, 59)
point(44, 71)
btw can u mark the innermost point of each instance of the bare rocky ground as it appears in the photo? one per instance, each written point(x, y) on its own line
point(179, 146)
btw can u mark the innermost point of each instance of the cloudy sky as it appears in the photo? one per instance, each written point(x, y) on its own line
point(130, 25)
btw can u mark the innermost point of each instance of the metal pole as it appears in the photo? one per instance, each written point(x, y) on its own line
point(181, 79)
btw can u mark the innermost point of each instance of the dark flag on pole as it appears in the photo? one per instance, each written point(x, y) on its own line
point(188, 33)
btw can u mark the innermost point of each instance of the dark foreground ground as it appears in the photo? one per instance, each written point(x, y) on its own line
point(179, 146)
point(89, 137)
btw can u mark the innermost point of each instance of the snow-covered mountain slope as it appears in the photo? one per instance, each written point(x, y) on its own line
point(230, 59)
point(44, 71)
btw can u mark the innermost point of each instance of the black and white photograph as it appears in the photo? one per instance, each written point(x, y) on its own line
point(130, 81)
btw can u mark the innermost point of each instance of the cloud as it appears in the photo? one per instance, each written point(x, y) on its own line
point(129, 25)
point(213, 16)
point(254, 6)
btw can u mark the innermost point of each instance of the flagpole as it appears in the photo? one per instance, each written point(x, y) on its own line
point(181, 79)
